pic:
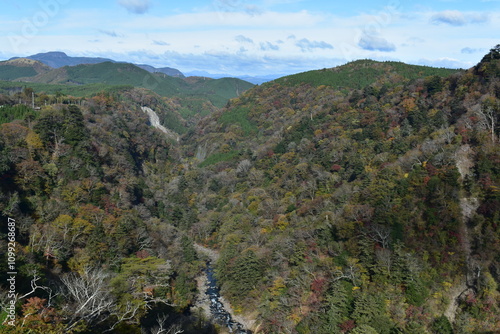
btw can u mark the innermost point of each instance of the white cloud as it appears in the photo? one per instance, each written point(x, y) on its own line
point(468, 50)
point(135, 6)
point(306, 45)
point(243, 39)
point(444, 62)
point(240, 38)
point(244, 63)
point(457, 18)
point(268, 46)
point(215, 20)
point(110, 33)
point(162, 43)
point(375, 43)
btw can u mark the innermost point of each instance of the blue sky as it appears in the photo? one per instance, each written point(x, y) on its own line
point(253, 37)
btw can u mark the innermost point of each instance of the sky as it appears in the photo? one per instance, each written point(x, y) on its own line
point(253, 37)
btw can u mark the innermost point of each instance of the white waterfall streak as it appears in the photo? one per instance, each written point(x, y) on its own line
point(155, 121)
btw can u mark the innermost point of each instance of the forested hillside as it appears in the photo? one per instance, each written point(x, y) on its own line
point(334, 205)
point(373, 210)
point(91, 252)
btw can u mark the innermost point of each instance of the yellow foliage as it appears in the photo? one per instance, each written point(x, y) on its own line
point(409, 104)
point(282, 222)
point(253, 207)
point(432, 112)
point(74, 194)
point(289, 156)
point(80, 262)
point(447, 285)
point(278, 286)
point(225, 148)
point(33, 140)
point(296, 318)
point(369, 169)
point(192, 199)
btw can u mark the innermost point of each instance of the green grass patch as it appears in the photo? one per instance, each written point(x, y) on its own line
point(19, 111)
point(239, 116)
point(219, 157)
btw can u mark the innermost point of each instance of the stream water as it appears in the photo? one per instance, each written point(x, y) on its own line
point(219, 313)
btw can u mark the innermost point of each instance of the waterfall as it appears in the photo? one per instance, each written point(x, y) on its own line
point(154, 119)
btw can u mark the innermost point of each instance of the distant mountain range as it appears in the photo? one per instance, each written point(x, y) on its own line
point(256, 80)
point(85, 79)
point(57, 59)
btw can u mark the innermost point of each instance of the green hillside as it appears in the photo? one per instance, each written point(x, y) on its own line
point(362, 73)
point(70, 90)
point(358, 210)
point(10, 72)
point(94, 76)
point(21, 68)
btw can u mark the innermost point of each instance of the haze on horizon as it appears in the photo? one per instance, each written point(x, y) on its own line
point(254, 37)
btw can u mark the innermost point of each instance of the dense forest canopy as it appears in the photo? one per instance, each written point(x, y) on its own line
point(334, 205)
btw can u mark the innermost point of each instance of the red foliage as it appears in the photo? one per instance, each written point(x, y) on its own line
point(347, 326)
point(318, 285)
point(416, 313)
point(142, 254)
point(431, 169)
point(470, 299)
point(336, 167)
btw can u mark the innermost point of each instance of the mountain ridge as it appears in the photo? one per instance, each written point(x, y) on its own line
point(57, 59)
point(21, 67)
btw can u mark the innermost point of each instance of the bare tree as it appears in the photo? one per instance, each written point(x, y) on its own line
point(89, 296)
point(488, 115)
point(35, 287)
point(243, 167)
point(378, 233)
point(350, 272)
point(161, 327)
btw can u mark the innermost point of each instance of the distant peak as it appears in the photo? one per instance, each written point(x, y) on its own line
point(53, 53)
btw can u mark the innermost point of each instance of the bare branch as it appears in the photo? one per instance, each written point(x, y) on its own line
point(35, 286)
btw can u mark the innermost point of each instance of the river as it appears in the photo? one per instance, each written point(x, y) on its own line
point(217, 309)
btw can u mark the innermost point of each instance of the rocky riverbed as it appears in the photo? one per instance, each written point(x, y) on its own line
point(215, 306)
